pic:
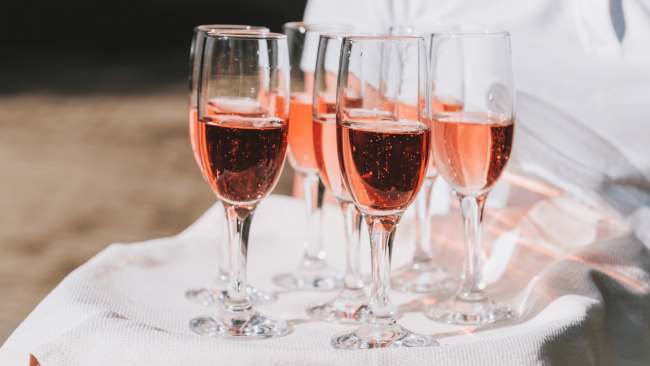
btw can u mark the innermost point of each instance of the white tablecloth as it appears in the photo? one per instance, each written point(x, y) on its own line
point(579, 279)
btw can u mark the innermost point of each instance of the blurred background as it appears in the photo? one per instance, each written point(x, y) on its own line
point(94, 146)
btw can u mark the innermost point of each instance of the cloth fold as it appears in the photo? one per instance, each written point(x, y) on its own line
point(581, 302)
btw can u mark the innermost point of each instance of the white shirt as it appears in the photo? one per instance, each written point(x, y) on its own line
point(583, 96)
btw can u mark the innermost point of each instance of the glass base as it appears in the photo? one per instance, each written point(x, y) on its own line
point(423, 277)
point(215, 297)
point(309, 280)
point(349, 307)
point(247, 326)
point(470, 312)
point(371, 336)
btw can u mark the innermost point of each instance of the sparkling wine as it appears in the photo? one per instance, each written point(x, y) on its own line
point(411, 112)
point(442, 104)
point(352, 101)
point(327, 157)
point(384, 162)
point(327, 160)
point(242, 156)
point(300, 132)
point(195, 138)
point(472, 149)
point(432, 170)
point(326, 106)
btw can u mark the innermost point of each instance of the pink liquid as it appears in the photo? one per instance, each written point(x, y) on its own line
point(384, 162)
point(472, 149)
point(300, 132)
point(195, 139)
point(243, 157)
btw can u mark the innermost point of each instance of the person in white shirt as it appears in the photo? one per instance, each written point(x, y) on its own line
point(583, 85)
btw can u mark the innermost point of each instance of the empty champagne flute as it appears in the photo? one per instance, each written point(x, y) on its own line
point(215, 292)
point(351, 304)
point(422, 273)
point(383, 141)
point(313, 273)
point(471, 147)
point(243, 122)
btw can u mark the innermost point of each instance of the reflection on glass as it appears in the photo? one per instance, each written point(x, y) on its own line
point(313, 273)
point(471, 148)
point(243, 126)
point(215, 292)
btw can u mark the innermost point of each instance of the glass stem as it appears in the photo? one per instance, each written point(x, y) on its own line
point(382, 233)
point(313, 244)
point(219, 285)
point(239, 222)
point(224, 259)
point(423, 252)
point(472, 285)
point(352, 218)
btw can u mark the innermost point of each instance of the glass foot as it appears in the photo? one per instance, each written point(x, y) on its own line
point(214, 296)
point(202, 297)
point(309, 280)
point(423, 277)
point(470, 312)
point(349, 307)
point(371, 336)
point(248, 326)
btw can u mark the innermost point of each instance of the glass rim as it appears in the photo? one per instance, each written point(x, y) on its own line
point(334, 35)
point(471, 33)
point(307, 27)
point(211, 27)
point(235, 34)
point(385, 38)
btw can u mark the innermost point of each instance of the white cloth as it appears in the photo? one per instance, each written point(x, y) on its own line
point(579, 279)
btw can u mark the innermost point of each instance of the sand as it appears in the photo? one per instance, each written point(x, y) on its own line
point(80, 172)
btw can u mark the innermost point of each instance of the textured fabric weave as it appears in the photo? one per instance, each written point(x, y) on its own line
point(582, 302)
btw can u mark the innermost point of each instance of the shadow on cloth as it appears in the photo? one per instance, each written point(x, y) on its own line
point(560, 248)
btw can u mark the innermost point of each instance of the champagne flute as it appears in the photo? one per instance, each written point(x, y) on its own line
point(313, 273)
point(383, 141)
point(423, 274)
point(351, 304)
point(471, 148)
point(215, 291)
point(243, 113)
